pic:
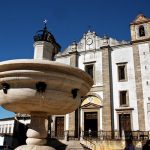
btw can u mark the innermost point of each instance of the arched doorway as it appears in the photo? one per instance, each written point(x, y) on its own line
point(91, 115)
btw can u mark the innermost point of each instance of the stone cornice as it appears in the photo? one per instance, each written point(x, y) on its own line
point(124, 108)
point(139, 22)
point(140, 41)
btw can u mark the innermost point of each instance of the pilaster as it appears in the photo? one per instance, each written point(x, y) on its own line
point(72, 121)
point(139, 91)
point(106, 114)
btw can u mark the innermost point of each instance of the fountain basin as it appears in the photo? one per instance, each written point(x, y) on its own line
point(65, 86)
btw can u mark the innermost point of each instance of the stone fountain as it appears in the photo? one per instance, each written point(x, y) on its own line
point(41, 87)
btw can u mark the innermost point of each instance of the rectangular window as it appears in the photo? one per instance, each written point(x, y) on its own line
point(123, 98)
point(122, 72)
point(89, 69)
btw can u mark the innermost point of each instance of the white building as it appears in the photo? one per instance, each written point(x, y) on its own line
point(13, 130)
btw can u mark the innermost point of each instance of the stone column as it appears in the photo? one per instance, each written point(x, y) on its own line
point(74, 63)
point(81, 125)
point(100, 119)
point(66, 127)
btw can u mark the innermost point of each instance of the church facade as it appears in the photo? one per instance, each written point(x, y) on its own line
point(120, 98)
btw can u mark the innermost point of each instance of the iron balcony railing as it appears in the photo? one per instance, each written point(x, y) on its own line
point(102, 135)
point(116, 135)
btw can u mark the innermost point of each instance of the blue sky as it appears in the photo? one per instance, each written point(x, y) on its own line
point(68, 20)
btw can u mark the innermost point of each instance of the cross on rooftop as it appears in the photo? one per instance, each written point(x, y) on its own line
point(45, 21)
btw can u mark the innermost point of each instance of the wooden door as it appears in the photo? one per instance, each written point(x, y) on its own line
point(124, 123)
point(59, 126)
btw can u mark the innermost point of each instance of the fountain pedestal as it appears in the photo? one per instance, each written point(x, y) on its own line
point(37, 133)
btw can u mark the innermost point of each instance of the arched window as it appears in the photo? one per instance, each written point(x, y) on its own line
point(141, 31)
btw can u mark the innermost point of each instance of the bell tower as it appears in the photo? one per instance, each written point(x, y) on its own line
point(140, 29)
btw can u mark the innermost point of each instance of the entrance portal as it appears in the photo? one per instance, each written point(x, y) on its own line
point(90, 123)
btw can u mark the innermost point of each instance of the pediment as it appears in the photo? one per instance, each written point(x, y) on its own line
point(91, 102)
point(90, 106)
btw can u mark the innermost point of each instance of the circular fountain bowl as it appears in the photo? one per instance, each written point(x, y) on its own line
point(22, 90)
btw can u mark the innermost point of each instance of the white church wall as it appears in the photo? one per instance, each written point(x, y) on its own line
point(1, 140)
point(94, 57)
point(124, 55)
point(144, 52)
point(98, 68)
point(64, 60)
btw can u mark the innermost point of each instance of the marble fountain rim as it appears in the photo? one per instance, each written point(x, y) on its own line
point(45, 66)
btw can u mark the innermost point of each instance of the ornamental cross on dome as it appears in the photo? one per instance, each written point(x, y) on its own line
point(45, 21)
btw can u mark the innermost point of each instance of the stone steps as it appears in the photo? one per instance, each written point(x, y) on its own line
point(75, 145)
point(67, 145)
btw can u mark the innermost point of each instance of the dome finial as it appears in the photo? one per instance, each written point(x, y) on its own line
point(45, 22)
